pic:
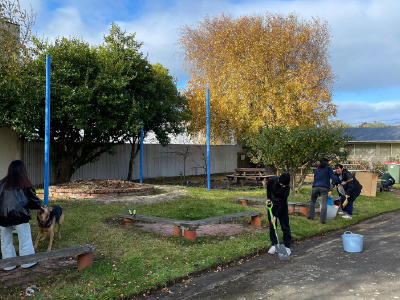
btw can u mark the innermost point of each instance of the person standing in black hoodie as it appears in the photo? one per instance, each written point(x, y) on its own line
point(352, 188)
point(17, 197)
point(278, 190)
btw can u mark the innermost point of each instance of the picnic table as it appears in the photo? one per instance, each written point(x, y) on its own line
point(242, 174)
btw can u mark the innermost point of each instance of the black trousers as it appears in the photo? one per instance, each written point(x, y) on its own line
point(284, 222)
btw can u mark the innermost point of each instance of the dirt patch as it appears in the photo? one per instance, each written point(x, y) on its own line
point(96, 184)
point(100, 188)
point(394, 190)
point(218, 181)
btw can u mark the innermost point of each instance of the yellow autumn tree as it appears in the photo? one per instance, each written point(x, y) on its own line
point(262, 70)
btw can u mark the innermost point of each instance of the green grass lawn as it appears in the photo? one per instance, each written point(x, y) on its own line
point(129, 260)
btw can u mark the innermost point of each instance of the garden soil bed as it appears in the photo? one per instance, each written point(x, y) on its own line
point(80, 189)
point(100, 188)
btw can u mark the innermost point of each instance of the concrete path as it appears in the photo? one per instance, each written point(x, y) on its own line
point(318, 269)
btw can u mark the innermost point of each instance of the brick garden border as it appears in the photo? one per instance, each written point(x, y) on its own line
point(55, 192)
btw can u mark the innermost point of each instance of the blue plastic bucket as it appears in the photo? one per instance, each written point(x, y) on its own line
point(352, 242)
point(330, 202)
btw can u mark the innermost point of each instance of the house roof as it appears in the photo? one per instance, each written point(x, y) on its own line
point(374, 134)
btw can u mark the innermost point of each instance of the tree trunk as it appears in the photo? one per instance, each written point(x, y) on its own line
point(293, 182)
point(296, 185)
point(132, 159)
point(63, 171)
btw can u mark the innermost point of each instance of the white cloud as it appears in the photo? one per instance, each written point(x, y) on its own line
point(35, 5)
point(355, 113)
point(365, 34)
point(67, 21)
point(159, 30)
point(364, 50)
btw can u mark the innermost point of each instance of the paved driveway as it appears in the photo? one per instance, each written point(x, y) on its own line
point(318, 269)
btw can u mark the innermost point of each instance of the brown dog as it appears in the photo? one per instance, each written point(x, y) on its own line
point(47, 218)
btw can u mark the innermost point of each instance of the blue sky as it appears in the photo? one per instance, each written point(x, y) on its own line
point(365, 44)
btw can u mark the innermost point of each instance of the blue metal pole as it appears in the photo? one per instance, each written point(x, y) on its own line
point(47, 133)
point(141, 154)
point(208, 141)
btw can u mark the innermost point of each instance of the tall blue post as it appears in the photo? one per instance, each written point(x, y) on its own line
point(208, 141)
point(141, 154)
point(141, 150)
point(47, 134)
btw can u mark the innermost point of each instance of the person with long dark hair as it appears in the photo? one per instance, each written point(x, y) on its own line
point(321, 186)
point(17, 197)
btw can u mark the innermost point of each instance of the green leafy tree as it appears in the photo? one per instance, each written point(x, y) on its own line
point(100, 97)
point(289, 149)
point(159, 106)
point(374, 124)
point(339, 123)
point(89, 104)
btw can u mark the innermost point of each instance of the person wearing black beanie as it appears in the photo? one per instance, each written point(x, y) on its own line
point(284, 179)
point(278, 189)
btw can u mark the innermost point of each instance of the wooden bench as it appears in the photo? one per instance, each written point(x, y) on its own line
point(294, 206)
point(189, 227)
point(84, 253)
point(299, 206)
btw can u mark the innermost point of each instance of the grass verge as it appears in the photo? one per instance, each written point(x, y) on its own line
point(130, 261)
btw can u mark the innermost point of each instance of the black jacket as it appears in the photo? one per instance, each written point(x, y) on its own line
point(352, 188)
point(15, 205)
point(277, 194)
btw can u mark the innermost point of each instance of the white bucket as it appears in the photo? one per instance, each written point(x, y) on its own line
point(331, 211)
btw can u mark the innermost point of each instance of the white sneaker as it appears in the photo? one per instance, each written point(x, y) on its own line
point(288, 251)
point(26, 266)
point(340, 212)
point(347, 216)
point(272, 250)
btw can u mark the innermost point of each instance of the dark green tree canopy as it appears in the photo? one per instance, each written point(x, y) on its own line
point(100, 96)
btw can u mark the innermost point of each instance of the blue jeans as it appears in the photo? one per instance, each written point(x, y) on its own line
point(316, 192)
point(387, 183)
point(349, 207)
point(25, 243)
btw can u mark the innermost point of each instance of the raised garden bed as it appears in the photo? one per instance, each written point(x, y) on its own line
point(99, 188)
